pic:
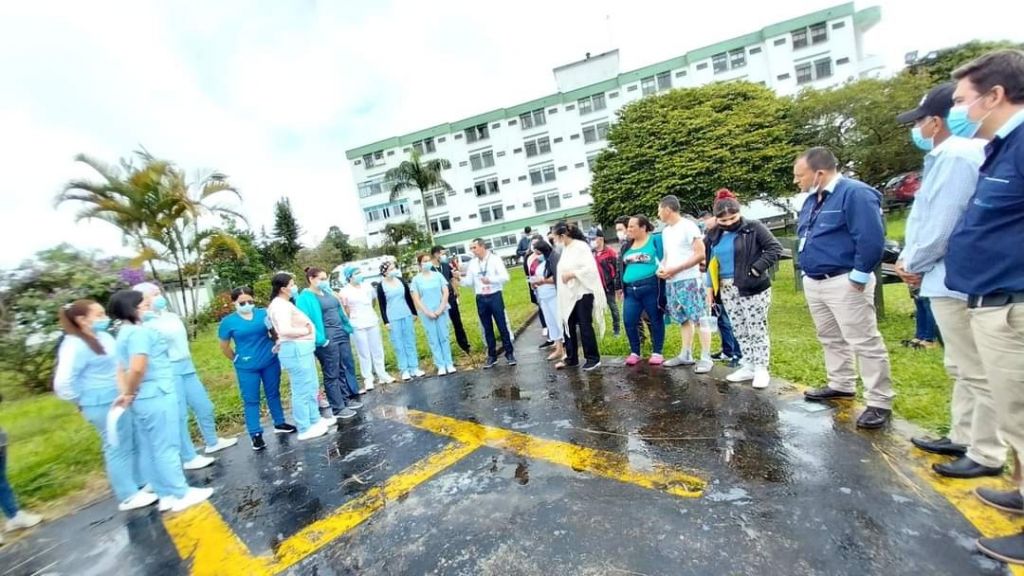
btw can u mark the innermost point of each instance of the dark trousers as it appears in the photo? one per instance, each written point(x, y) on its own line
point(491, 307)
point(613, 305)
point(581, 331)
point(336, 378)
point(7, 502)
point(730, 347)
point(925, 328)
point(456, 318)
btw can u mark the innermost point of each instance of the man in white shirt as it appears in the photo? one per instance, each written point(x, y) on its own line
point(487, 275)
point(686, 298)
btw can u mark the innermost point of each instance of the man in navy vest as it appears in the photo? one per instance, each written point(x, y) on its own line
point(985, 259)
point(841, 240)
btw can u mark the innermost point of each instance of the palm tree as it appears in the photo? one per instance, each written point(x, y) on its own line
point(422, 176)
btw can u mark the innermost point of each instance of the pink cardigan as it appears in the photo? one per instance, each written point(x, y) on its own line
point(289, 322)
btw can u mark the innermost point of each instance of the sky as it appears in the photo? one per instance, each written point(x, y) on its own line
point(272, 93)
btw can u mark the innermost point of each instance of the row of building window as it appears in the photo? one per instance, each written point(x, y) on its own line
point(387, 211)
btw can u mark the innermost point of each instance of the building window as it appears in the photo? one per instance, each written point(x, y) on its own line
point(842, 61)
point(537, 147)
point(542, 174)
point(737, 58)
point(756, 50)
point(477, 133)
point(440, 224)
point(591, 159)
point(371, 187)
point(804, 73)
point(720, 62)
point(595, 132)
point(502, 241)
point(434, 199)
point(779, 42)
point(547, 201)
point(425, 146)
point(378, 213)
point(799, 38)
point(486, 187)
point(819, 33)
point(492, 213)
point(482, 160)
point(702, 66)
point(665, 81)
point(822, 68)
point(838, 25)
point(532, 119)
point(591, 104)
point(647, 85)
point(631, 88)
point(680, 73)
point(373, 159)
point(783, 76)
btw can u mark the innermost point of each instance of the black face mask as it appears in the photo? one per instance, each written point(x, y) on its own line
point(732, 227)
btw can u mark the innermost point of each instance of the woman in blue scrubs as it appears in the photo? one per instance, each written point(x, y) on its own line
point(146, 391)
point(87, 375)
point(248, 330)
point(430, 294)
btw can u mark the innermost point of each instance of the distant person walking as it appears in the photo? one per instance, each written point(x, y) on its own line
point(487, 275)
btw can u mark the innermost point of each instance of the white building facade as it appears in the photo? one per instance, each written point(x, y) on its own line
point(530, 164)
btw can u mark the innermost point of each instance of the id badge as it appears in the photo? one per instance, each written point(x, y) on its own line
point(486, 289)
point(803, 241)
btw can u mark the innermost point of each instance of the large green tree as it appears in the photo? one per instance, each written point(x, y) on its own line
point(335, 237)
point(423, 177)
point(939, 65)
point(857, 121)
point(236, 269)
point(690, 142)
point(285, 244)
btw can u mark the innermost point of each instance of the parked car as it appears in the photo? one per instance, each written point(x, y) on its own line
point(900, 190)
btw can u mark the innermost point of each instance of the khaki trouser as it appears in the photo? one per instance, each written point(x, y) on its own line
point(847, 327)
point(974, 421)
point(999, 334)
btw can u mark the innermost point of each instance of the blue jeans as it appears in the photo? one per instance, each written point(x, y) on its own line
point(122, 466)
point(926, 329)
point(730, 347)
point(329, 356)
point(439, 340)
point(491, 307)
point(158, 433)
point(249, 385)
point(7, 501)
point(297, 360)
point(403, 339)
point(642, 296)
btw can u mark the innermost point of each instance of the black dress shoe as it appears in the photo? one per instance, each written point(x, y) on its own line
point(826, 393)
point(943, 446)
point(1010, 501)
point(964, 467)
point(1009, 549)
point(874, 417)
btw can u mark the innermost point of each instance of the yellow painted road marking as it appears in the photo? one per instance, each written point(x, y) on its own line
point(202, 536)
point(580, 458)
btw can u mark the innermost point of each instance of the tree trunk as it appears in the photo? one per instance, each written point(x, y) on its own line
point(426, 218)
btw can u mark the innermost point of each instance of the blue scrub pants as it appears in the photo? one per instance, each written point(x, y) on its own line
point(121, 463)
point(297, 359)
point(403, 339)
point(157, 431)
point(439, 340)
point(192, 394)
point(249, 386)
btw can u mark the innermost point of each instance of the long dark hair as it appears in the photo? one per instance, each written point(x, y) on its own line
point(311, 273)
point(124, 306)
point(69, 315)
point(279, 282)
point(541, 245)
point(571, 230)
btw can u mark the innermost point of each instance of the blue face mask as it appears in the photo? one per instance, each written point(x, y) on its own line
point(960, 124)
point(294, 290)
point(100, 325)
point(244, 306)
point(395, 273)
point(324, 286)
point(160, 303)
point(148, 315)
point(427, 266)
point(540, 258)
point(920, 141)
point(357, 278)
point(444, 259)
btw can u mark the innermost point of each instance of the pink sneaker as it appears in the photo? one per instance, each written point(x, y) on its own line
point(656, 360)
point(632, 360)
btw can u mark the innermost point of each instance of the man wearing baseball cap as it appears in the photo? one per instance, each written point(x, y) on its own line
point(950, 174)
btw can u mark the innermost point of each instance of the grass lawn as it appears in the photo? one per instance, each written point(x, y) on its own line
point(54, 452)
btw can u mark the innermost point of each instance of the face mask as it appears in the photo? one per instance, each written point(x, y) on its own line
point(148, 315)
point(100, 325)
point(814, 187)
point(540, 258)
point(444, 259)
point(244, 306)
point(960, 123)
point(357, 278)
point(427, 266)
point(160, 303)
point(732, 227)
point(395, 273)
point(294, 290)
point(324, 286)
point(920, 141)
point(621, 236)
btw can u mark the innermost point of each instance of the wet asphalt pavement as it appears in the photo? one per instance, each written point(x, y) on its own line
point(791, 488)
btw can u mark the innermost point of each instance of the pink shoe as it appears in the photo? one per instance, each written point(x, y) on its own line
point(632, 360)
point(656, 360)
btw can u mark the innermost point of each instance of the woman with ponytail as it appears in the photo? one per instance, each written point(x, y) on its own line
point(740, 254)
point(87, 375)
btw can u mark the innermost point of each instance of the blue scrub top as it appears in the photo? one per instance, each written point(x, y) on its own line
point(253, 346)
point(93, 376)
point(136, 339)
point(429, 289)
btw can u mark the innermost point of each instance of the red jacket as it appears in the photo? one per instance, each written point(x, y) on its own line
point(608, 266)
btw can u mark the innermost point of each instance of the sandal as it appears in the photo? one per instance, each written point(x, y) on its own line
point(556, 356)
point(561, 364)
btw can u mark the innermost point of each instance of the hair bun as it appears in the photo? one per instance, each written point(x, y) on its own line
point(724, 194)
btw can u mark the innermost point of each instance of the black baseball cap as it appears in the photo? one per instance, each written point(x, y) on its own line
point(936, 102)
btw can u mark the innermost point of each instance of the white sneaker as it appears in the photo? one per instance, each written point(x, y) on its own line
point(451, 369)
point(315, 431)
point(192, 497)
point(761, 378)
point(386, 379)
point(221, 444)
point(166, 503)
point(704, 365)
point(198, 462)
point(148, 488)
point(368, 384)
point(406, 376)
point(419, 373)
point(442, 371)
point(328, 421)
point(141, 499)
point(684, 359)
point(23, 520)
point(741, 375)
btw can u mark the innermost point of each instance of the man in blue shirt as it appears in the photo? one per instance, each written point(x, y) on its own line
point(841, 240)
point(985, 260)
point(949, 176)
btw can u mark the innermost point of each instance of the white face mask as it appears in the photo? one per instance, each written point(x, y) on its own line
point(621, 236)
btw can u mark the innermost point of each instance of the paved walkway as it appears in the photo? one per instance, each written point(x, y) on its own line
point(529, 471)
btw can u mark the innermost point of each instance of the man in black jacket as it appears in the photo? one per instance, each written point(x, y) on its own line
point(439, 256)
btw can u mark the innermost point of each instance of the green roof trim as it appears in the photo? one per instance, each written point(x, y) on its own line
point(863, 19)
point(510, 226)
